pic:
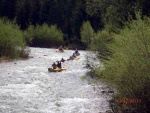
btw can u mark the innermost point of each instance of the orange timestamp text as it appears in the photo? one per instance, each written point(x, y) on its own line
point(130, 101)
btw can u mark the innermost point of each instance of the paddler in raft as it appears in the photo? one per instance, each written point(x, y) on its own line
point(54, 65)
point(62, 60)
point(74, 55)
point(77, 52)
point(58, 64)
point(70, 58)
point(61, 48)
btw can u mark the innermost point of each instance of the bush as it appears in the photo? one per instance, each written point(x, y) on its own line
point(43, 36)
point(86, 33)
point(29, 34)
point(99, 43)
point(128, 69)
point(11, 38)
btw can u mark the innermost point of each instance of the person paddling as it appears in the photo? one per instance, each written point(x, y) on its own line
point(62, 60)
point(76, 51)
point(70, 58)
point(61, 48)
point(54, 65)
point(74, 55)
point(59, 64)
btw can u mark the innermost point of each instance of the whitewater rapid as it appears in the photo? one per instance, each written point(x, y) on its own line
point(26, 86)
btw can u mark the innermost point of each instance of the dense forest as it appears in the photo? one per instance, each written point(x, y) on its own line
point(118, 29)
point(68, 15)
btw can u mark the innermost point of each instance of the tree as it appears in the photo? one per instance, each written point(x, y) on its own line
point(94, 11)
point(86, 33)
point(8, 8)
point(23, 13)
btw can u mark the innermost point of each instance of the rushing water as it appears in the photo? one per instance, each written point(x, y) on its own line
point(26, 86)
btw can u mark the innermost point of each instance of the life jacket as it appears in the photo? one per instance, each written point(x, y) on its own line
point(54, 66)
point(76, 51)
point(59, 65)
point(62, 60)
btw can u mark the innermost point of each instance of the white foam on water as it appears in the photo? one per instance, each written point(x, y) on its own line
point(26, 86)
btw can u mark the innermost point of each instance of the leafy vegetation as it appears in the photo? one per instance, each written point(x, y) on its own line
point(11, 40)
point(68, 15)
point(128, 68)
point(101, 25)
point(100, 43)
point(44, 36)
point(87, 33)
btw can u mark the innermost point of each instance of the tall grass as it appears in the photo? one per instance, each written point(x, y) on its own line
point(129, 68)
point(11, 38)
point(43, 36)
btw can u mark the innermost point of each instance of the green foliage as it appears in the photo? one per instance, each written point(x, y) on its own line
point(111, 14)
point(128, 69)
point(114, 13)
point(29, 34)
point(86, 33)
point(8, 8)
point(94, 12)
point(44, 35)
point(99, 43)
point(11, 39)
point(69, 15)
point(93, 7)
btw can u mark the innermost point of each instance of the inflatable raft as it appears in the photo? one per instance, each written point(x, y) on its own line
point(57, 69)
point(76, 58)
point(60, 51)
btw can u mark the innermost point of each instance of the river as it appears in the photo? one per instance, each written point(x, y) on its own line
point(26, 86)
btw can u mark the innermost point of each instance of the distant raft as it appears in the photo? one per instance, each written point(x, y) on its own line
point(57, 69)
point(59, 50)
